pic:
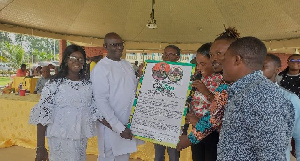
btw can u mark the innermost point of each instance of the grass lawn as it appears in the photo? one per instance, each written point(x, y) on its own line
point(4, 81)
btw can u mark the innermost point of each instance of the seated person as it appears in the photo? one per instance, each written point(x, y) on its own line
point(41, 82)
point(56, 69)
point(22, 72)
point(37, 71)
point(52, 69)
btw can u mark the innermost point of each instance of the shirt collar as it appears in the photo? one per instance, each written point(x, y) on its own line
point(245, 82)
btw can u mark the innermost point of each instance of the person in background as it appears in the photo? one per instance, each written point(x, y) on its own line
point(135, 66)
point(290, 77)
point(271, 68)
point(91, 64)
point(64, 112)
point(211, 123)
point(94, 61)
point(37, 71)
point(200, 104)
point(51, 66)
point(52, 69)
point(193, 61)
point(171, 53)
point(114, 86)
point(258, 119)
point(56, 69)
point(42, 81)
point(22, 72)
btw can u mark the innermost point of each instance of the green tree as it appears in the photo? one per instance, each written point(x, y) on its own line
point(14, 54)
point(33, 46)
point(2, 58)
point(46, 56)
point(4, 37)
point(43, 44)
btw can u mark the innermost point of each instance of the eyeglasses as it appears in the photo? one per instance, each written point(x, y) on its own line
point(116, 44)
point(73, 59)
point(169, 54)
point(294, 60)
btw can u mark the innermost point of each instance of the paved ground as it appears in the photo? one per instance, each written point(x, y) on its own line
point(17, 153)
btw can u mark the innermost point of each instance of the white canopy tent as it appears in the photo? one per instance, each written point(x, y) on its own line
point(187, 23)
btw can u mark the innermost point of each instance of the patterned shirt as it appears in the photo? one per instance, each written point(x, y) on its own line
point(290, 82)
point(212, 120)
point(258, 121)
point(200, 103)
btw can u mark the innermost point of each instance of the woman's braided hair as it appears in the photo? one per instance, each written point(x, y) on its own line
point(230, 33)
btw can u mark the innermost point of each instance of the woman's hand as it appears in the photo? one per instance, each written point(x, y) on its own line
point(184, 142)
point(41, 154)
point(200, 86)
point(191, 119)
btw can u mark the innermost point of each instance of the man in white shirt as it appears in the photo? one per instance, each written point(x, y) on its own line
point(114, 87)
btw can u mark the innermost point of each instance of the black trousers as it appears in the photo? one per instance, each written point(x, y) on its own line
point(206, 150)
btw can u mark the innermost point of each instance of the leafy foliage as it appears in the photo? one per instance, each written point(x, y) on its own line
point(14, 54)
point(17, 49)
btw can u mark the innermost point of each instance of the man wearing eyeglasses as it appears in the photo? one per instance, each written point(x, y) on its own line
point(114, 86)
point(171, 53)
point(290, 77)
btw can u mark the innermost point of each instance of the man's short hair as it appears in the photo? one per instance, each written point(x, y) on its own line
point(23, 65)
point(252, 50)
point(46, 68)
point(174, 47)
point(275, 59)
point(110, 35)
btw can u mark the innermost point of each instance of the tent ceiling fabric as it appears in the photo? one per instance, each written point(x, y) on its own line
point(178, 21)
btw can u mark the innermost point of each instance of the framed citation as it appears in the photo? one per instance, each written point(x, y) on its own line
point(159, 109)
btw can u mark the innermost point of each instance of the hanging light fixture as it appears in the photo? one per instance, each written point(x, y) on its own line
point(152, 23)
point(296, 51)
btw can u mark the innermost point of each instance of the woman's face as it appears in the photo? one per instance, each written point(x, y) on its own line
point(294, 63)
point(217, 51)
point(204, 65)
point(75, 62)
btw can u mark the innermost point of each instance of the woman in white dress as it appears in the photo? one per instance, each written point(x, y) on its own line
point(64, 111)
